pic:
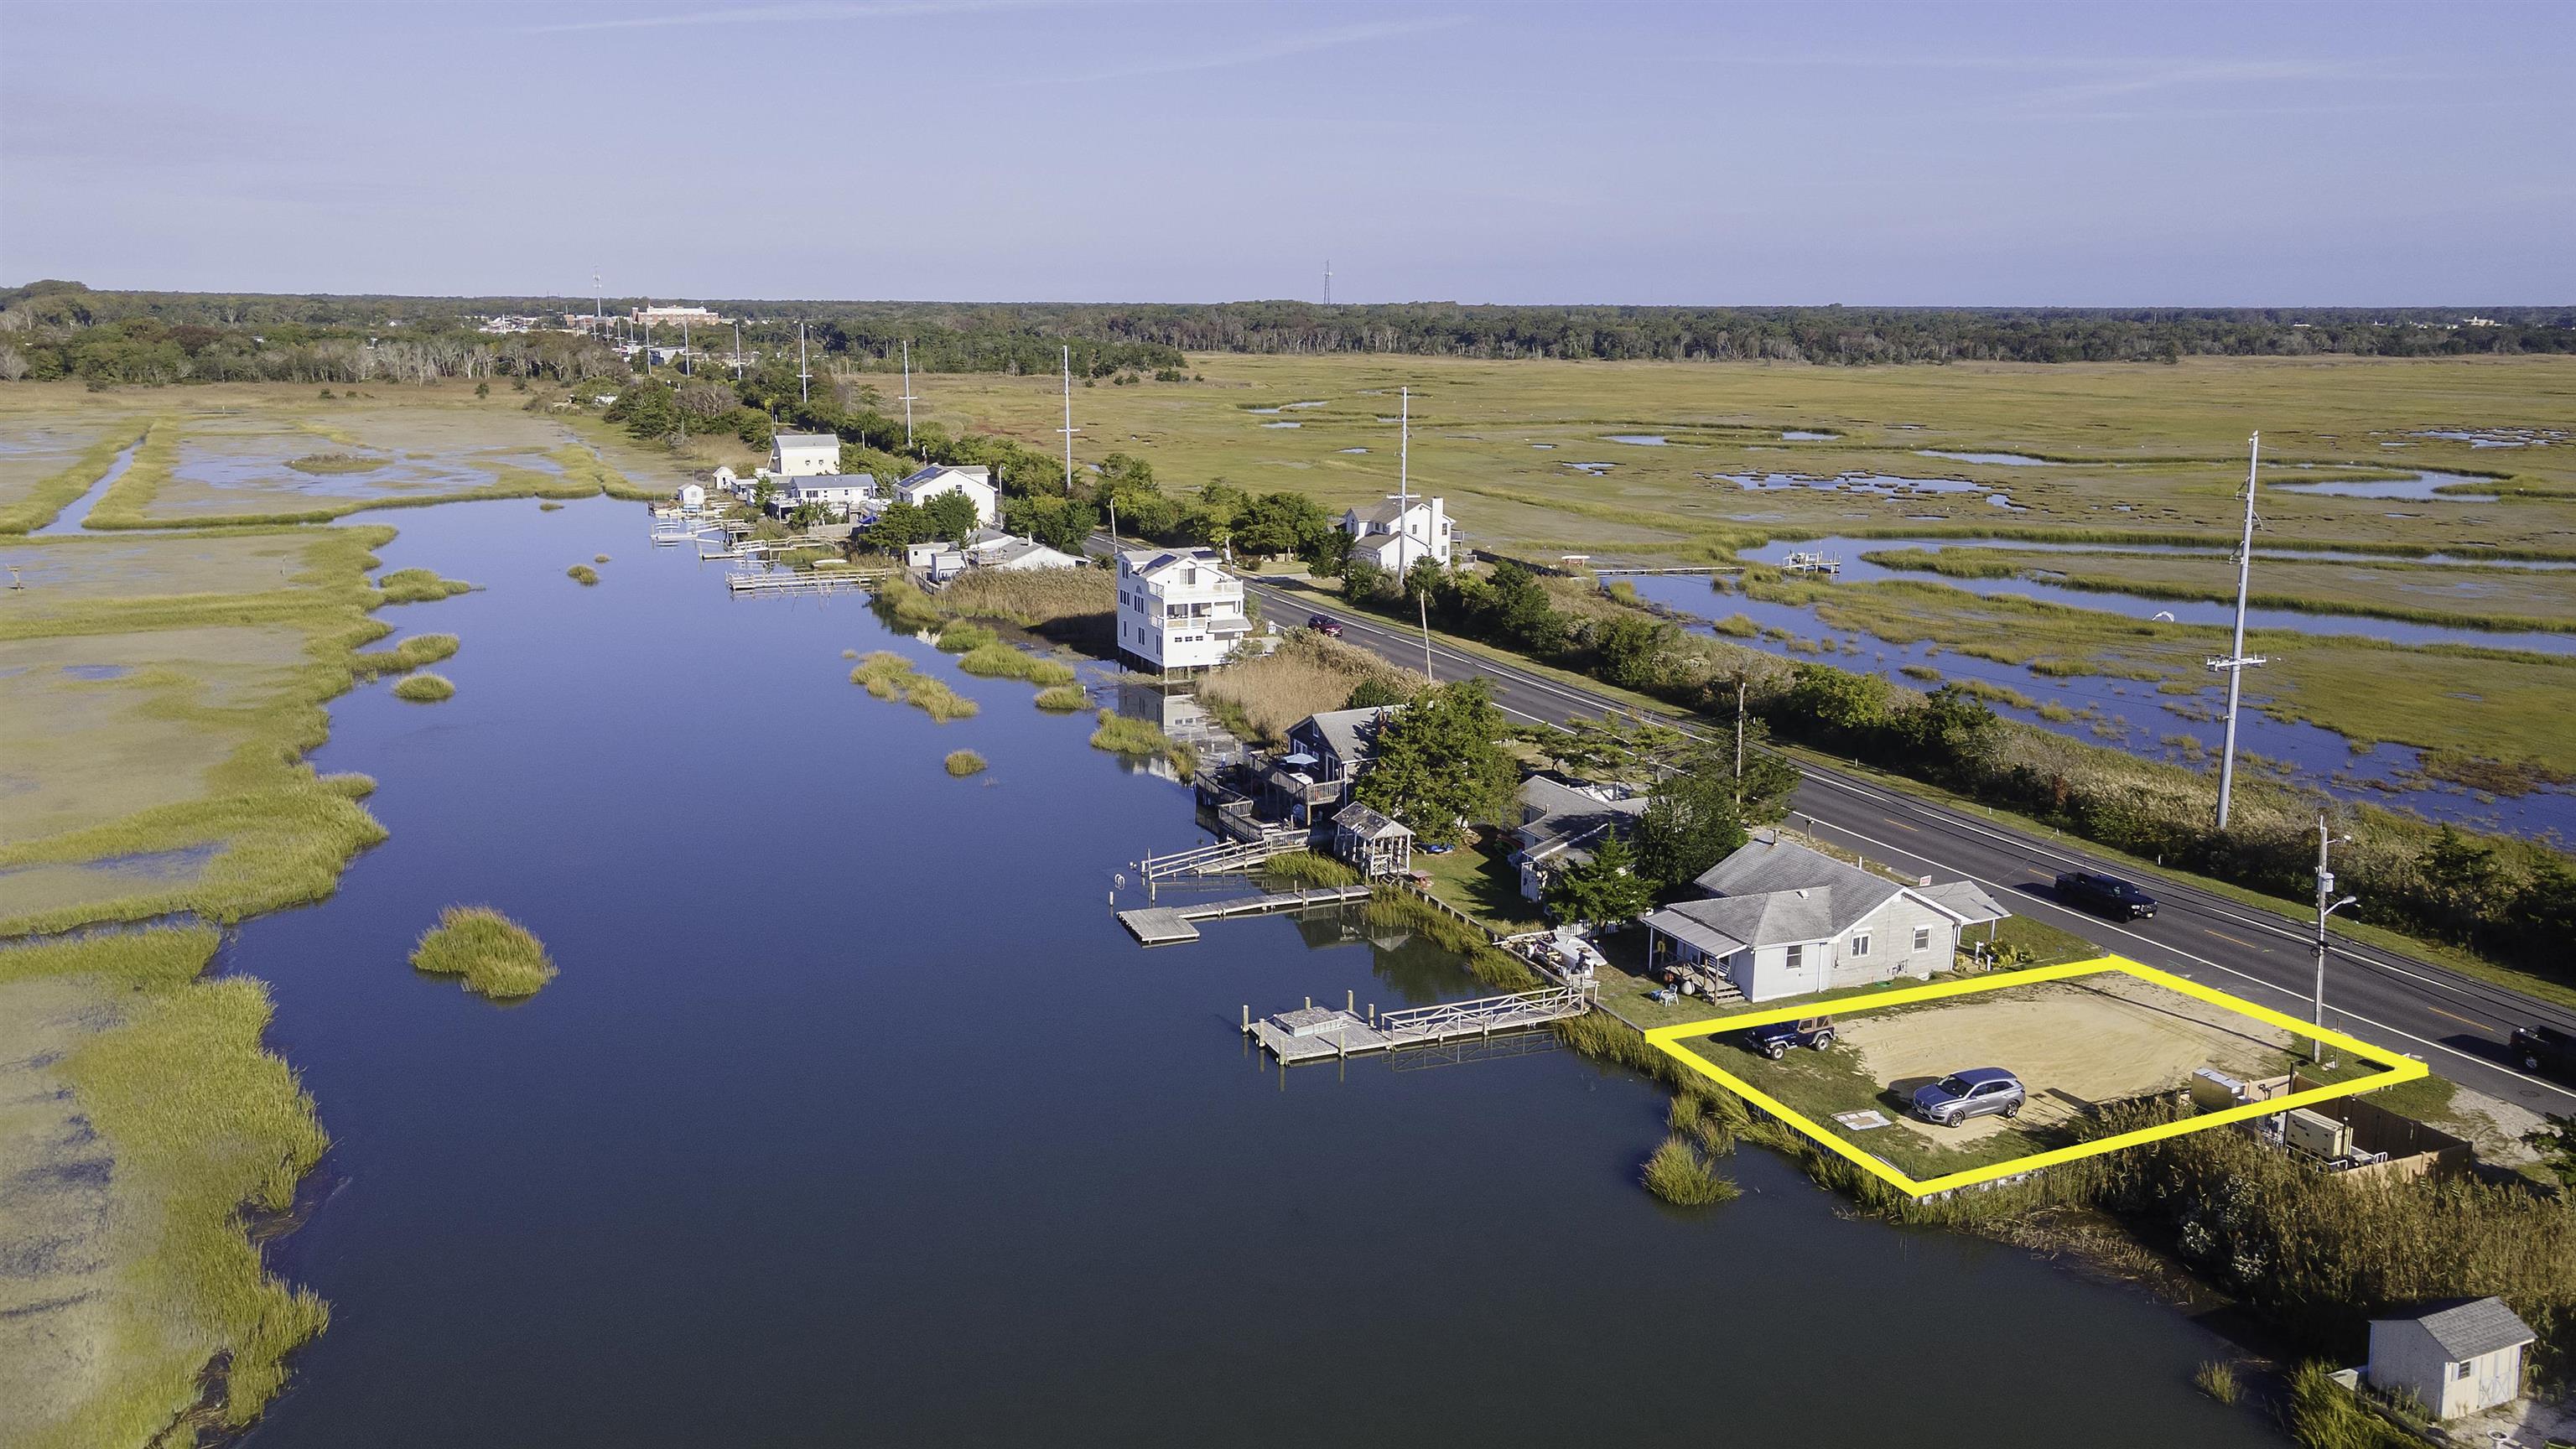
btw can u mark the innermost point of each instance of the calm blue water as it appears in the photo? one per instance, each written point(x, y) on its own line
point(855, 1119)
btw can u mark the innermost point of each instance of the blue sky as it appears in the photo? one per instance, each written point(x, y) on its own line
point(2046, 153)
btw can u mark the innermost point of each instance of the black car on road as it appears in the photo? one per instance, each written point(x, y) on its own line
point(2105, 895)
point(2545, 1051)
point(1322, 625)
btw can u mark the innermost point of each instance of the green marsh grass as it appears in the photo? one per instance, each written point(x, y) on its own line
point(549, 506)
point(58, 490)
point(1064, 699)
point(1137, 740)
point(582, 574)
point(599, 558)
point(326, 463)
point(495, 956)
point(1307, 674)
point(962, 763)
point(1306, 868)
point(1679, 1174)
point(207, 1128)
point(420, 586)
point(424, 688)
point(964, 638)
point(997, 660)
point(410, 654)
point(890, 676)
point(2217, 1378)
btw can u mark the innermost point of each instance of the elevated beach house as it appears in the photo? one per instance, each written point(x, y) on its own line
point(1309, 780)
point(840, 494)
point(1179, 611)
point(1779, 919)
point(1399, 532)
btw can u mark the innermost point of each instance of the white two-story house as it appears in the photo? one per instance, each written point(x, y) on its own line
point(1179, 611)
point(804, 455)
point(975, 483)
point(1399, 533)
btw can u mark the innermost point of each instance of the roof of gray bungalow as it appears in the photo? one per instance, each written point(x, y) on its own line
point(1346, 732)
point(1965, 899)
point(2469, 1328)
point(1763, 866)
point(1723, 925)
point(1561, 818)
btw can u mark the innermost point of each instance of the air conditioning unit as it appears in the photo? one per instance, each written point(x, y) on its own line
point(2316, 1133)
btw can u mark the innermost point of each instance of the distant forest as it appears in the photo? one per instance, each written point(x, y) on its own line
point(55, 329)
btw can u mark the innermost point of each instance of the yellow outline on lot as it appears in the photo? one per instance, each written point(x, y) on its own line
point(1668, 1039)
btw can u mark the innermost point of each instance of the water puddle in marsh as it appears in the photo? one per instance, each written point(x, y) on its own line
point(2130, 714)
point(75, 516)
point(2422, 487)
point(853, 1101)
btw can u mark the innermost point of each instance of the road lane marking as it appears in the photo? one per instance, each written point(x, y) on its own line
point(2239, 940)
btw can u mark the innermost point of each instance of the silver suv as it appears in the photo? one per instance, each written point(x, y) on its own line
point(1975, 1092)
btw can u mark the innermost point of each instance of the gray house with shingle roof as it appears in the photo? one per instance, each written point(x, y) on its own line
point(1561, 824)
point(2456, 1356)
point(1783, 920)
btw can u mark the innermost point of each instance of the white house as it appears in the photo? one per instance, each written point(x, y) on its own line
point(975, 483)
point(993, 549)
point(1782, 920)
point(804, 455)
point(1178, 609)
point(2455, 1357)
point(1398, 533)
point(840, 494)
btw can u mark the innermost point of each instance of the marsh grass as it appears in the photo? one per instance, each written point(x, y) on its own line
point(205, 1125)
point(549, 506)
point(2217, 1378)
point(582, 574)
point(964, 638)
point(496, 956)
point(56, 491)
point(1064, 699)
point(419, 586)
point(1032, 598)
point(997, 660)
point(890, 676)
point(962, 763)
point(2324, 1414)
point(599, 558)
point(326, 463)
point(1307, 674)
point(1136, 740)
point(906, 609)
point(1679, 1174)
point(1306, 868)
point(410, 654)
point(424, 688)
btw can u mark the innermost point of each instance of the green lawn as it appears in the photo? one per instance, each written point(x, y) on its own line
point(1480, 879)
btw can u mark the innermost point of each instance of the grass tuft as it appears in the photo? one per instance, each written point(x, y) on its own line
point(419, 586)
point(962, 763)
point(998, 660)
point(1136, 740)
point(962, 638)
point(425, 688)
point(2217, 1378)
point(582, 574)
point(1064, 699)
point(495, 955)
point(888, 675)
point(410, 654)
point(1679, 1175)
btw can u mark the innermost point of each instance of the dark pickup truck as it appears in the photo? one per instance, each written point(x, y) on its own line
point(2545, 1051)
point(2105, 895)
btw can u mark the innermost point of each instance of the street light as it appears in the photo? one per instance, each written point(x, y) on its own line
point(2327, 905)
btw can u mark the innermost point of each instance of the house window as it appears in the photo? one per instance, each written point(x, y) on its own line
point(2461, 1369)
point(1860, 944)
point(1923, 938)
point(1796, 958)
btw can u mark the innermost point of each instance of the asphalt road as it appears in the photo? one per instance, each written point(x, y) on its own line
point(2456, 1024)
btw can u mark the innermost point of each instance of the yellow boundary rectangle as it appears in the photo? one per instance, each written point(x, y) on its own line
point(1669, 1038)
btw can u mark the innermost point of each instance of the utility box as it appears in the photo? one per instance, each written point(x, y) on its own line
point(2316, 1133)
point(2215, 1091)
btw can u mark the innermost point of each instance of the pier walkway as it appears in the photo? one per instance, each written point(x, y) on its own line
point(1316, 1033)
point(804, 581)
point(1171, 925)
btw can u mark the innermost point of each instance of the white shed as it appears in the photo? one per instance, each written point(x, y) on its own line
point(692, 495)
point(2457, 1357)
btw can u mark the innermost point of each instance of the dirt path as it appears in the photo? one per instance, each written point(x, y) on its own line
point(56, 1207)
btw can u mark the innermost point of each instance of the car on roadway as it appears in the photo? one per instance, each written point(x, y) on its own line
point(2106, 895)
point(1774, 1039)
point(1976, 1092)
point(2545, 1051)
point(1322, 625)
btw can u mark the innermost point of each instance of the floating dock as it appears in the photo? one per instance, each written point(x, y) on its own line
point(1317, 1033)
point(1171, 925)
point(805, 581)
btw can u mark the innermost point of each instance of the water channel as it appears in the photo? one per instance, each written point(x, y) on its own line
point(854, 1118)
point(2131, 714)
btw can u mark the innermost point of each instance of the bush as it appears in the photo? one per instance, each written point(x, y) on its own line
point(495, 956)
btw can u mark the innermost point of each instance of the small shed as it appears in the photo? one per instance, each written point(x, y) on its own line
point(692, 495)
point(2456, 1356)
point(1376, 845)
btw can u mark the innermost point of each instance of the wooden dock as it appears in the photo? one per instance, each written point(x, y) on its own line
point(1172, 925)
point(1317, 1033)
point(804, 581)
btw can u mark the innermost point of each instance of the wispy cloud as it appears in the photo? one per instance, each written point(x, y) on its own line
point(1276, 48)
point(777, 14)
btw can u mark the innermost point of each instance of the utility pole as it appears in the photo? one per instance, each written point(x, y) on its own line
point(2237, 660)
point(737, 349)
point(1067, 429)
point(1739, 738)
point(648, 346)
point(1328, 281)
point(804, 378)
point(907, 394)
point(598, 305)
point(2326, 906)
point(1403, 529)
point(687, 367)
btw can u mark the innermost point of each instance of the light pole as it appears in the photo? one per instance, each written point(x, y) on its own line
point(2327, 905)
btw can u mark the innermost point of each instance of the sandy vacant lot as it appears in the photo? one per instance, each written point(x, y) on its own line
point(2072, 1043)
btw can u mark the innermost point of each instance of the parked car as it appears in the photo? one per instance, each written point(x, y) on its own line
point(1976, 1092)
point(1774, 1040)
point(2545, 1051)
point(1322, 625)
point(2105, 895)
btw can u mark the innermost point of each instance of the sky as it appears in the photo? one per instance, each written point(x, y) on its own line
point(2126, 153)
